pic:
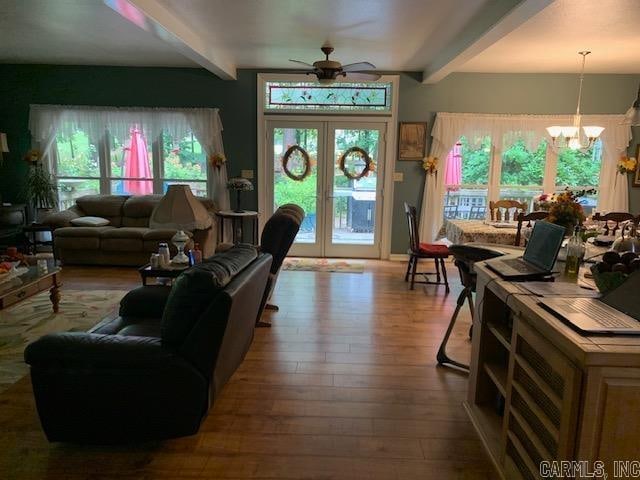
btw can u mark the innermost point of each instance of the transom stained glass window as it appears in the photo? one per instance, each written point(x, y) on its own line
point(338, 96)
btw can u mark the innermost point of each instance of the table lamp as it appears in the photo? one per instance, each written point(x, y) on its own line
point(181, 210)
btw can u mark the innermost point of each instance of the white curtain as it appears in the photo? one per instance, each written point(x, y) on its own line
point(504, 130)
point(207, 128)
point(46, 121)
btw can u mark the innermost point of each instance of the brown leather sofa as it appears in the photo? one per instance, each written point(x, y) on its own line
point(153, 372)
point(127, 240)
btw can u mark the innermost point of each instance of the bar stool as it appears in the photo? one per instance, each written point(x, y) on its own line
point(464, 258)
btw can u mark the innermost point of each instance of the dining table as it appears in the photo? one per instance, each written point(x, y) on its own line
point(480, 231)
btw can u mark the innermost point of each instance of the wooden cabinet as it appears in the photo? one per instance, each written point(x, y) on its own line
point(539, 391)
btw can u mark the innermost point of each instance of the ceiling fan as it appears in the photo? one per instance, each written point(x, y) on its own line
point(328, 71)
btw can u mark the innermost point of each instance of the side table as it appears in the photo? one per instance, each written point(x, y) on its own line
point(169, 272)
point(237, 224)
point(32, 230)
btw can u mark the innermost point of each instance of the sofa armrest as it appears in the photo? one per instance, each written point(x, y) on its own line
point(145, 302)
point(69, 349)
point(63, 218)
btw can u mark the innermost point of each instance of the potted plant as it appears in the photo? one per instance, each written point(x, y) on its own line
point(40, 189)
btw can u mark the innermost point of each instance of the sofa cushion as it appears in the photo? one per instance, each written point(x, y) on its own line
point(80, 232)
point(137, 210)
point(197, 287)
point(125, 232)
point(89, 222)
point(107, 206)
point(123, 239)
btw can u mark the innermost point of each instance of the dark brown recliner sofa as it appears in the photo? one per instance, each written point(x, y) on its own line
point(153, 372)
point(127, 240)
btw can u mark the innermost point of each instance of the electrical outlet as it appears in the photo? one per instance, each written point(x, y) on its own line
point(398, 176)
point(246, 174)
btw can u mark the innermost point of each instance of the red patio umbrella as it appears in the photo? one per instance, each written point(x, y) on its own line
point(136, 165)
point(453, 168)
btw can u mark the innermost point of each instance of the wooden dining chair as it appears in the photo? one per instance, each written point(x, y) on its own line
point(418, 250)
point(495, 209)
point(528, 217)
point(612, 221)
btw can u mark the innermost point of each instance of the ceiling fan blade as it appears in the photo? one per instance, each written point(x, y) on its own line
point(295, 70)
point(302, 63)
point(362, 76)
point(352, 67)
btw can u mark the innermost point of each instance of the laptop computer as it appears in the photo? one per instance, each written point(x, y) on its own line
point(539, 256)
point(618, 311)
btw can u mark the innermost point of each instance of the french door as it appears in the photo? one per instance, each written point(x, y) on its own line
point(334, 171)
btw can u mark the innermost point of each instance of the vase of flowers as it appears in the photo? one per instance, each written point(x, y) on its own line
point(240, 185)
point(565, 209)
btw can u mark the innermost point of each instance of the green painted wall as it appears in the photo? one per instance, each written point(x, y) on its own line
point(501, 93)
point(21, 85)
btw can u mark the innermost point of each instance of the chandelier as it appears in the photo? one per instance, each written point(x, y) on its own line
point(569, 135)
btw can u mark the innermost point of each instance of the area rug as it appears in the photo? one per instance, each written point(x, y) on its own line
point(323, 265)
point(30, 319)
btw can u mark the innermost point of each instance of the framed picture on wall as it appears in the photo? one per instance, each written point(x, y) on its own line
point(636, 175)
point(412, 140)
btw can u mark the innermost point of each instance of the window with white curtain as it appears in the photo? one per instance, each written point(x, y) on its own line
point(134, 165)
point(130, 150)
point(523, 174)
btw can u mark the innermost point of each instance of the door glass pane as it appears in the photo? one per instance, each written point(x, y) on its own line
point(300, 190)
point(354, 201)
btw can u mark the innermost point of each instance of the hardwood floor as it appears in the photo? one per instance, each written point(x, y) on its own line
point(343, 386)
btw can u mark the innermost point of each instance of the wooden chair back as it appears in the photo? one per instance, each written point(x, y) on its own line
point(414, 239)
point(612, 221)
point(495, 209)
point(528, 217)
point(477, 212)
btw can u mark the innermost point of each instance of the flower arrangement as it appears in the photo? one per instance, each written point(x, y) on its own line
point(430, 165)
point(566, 211)
point(544, 201)
point(217, 160)
point(627, 164)
point(32, 156)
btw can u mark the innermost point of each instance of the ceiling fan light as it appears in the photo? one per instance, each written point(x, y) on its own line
point(326, 81)
point(592, 131)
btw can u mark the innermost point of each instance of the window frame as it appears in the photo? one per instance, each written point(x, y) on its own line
point(103, 147)
point(494, 185)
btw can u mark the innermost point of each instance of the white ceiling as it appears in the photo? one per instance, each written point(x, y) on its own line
point(80, 32)
point(392, 34)
point(434, 36)
point(550, 40)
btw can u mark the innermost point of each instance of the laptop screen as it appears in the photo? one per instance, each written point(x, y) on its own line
point(544, 245)
point(625, 297)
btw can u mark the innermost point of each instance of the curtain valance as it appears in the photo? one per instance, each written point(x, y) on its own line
point(505, 130)
point(44, 120)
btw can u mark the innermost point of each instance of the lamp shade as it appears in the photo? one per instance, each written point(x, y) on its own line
point(181, 210)
point(4, 147)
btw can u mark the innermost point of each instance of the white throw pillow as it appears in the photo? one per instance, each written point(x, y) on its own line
point(90, 222)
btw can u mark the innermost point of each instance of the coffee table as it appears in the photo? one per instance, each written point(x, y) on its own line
point(29, 283)
point(147, 272)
